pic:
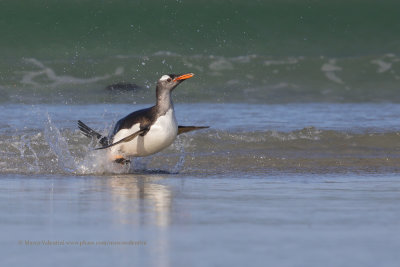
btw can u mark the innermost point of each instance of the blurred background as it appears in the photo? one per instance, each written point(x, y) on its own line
point(269, 51)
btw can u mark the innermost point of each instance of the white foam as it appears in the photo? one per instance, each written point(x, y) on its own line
point(166, 53)
point(221, 64)
point(383, 66)
point(330, 68)
point(119, 71)
point(128, 56)
point(54, 79)
point(283, 85)
point(191, 65)
point(288, 61)
point(243, 59)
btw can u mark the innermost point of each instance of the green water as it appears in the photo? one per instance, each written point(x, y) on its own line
point(257, 51)
point(333, 28)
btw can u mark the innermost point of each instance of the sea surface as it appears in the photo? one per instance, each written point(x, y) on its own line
point(300, 165)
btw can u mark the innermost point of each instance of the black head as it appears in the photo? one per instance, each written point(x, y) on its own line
point(170, 81)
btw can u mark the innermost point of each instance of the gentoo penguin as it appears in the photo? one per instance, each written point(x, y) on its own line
point(146, 131)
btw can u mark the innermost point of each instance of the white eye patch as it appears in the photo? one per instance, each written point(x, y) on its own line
point(165, 77)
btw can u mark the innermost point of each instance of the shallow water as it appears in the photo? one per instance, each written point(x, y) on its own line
point(280, 220)
point(243, 138)
point(290, 185)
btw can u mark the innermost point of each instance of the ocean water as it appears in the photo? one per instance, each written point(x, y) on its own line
point(242, 138)
point(266, 51)
point(213, 220)
point(300, 165)
point(288, 184)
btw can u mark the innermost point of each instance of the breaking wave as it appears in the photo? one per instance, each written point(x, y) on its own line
point(255, 78)
point(213, 151)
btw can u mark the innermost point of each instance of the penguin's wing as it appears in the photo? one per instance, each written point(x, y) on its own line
point(125, 139)
point(185, 129)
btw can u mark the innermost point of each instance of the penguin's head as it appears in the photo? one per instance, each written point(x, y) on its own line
point(168, 82)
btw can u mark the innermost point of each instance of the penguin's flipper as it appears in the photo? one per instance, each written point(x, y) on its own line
point(185, 129)
point(125, 139)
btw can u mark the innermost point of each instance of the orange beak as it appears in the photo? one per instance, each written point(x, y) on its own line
point(184, 77)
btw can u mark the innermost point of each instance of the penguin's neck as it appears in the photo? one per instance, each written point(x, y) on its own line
point(164, 101)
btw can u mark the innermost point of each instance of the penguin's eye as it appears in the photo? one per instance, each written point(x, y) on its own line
point(169, 79)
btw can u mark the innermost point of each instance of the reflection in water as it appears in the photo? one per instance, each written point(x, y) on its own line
point(139, 200)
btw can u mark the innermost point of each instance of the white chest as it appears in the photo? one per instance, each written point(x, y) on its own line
point(161, 134)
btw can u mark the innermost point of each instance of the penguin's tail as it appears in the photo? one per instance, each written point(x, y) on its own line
point(89, 132)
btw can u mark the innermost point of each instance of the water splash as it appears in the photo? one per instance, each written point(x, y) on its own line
point(59, 146)
point(139, 164)
point(93, 162)
point(180, 145)
point(27, 154)
point(27, 146)
point(98, 163)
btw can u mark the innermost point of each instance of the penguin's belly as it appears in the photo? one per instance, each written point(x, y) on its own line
point(161, 134)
